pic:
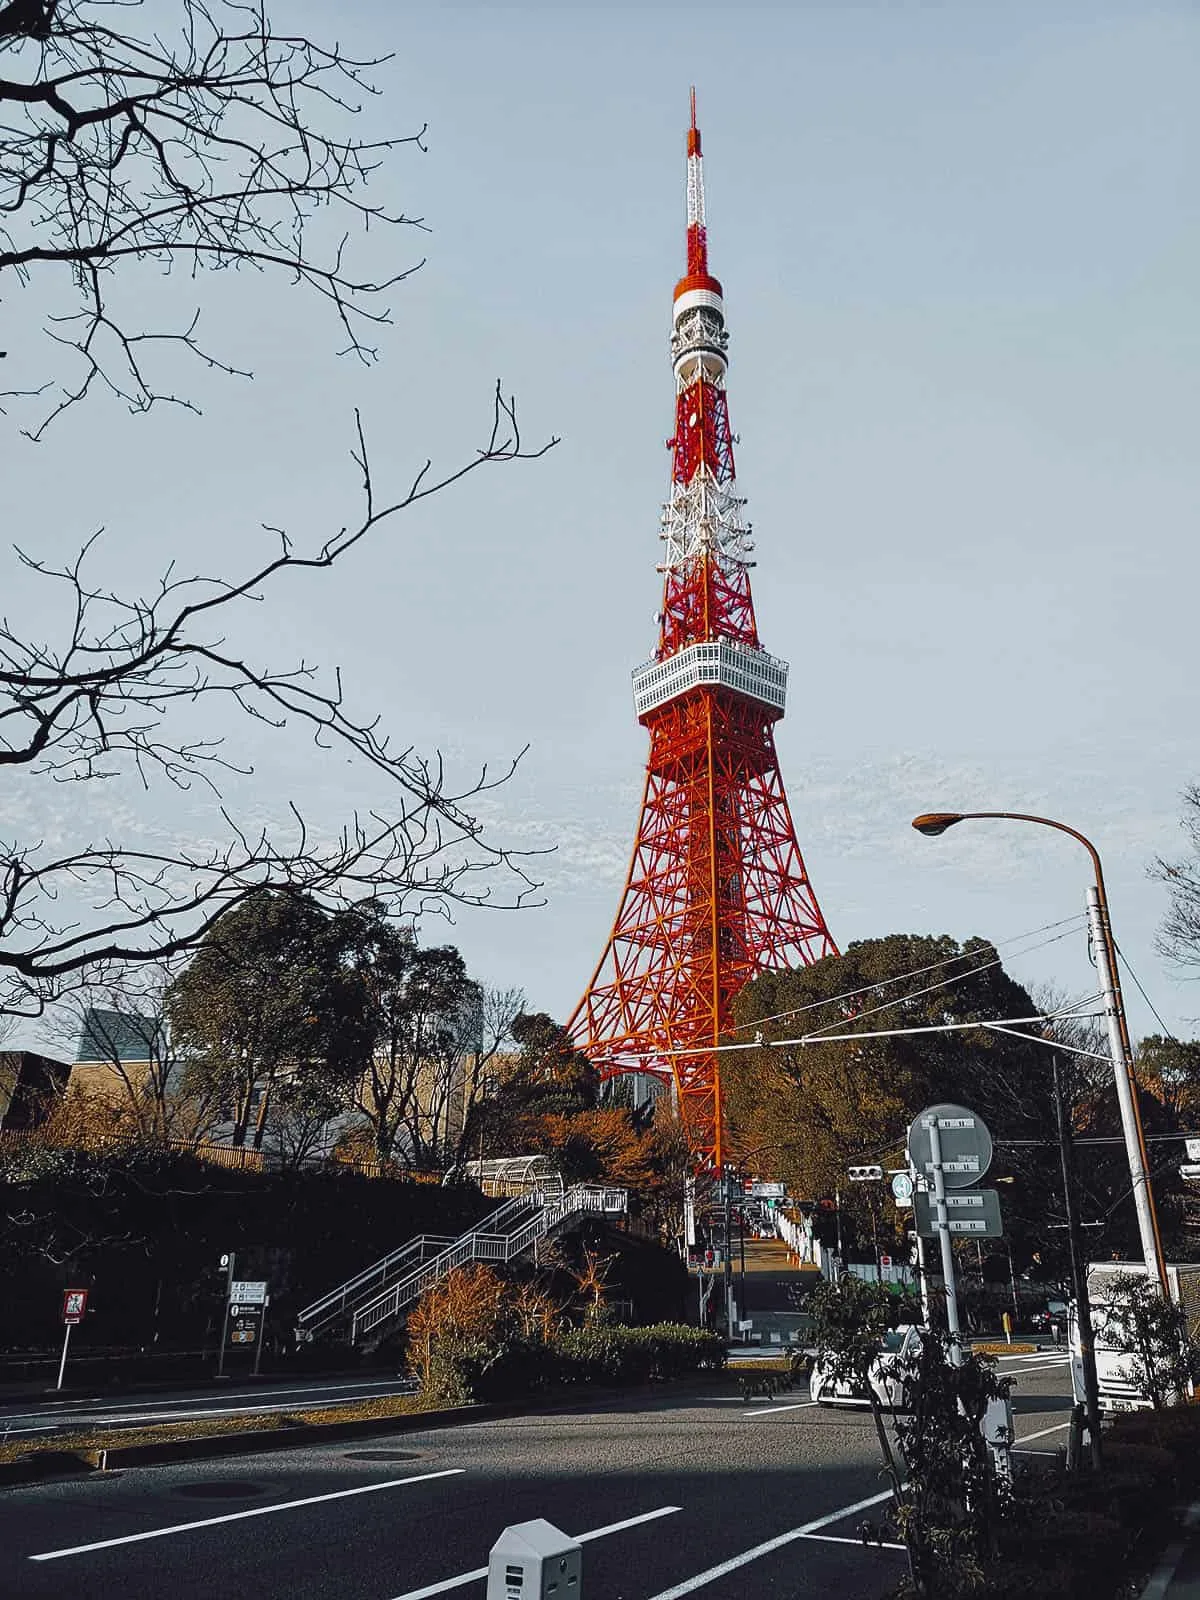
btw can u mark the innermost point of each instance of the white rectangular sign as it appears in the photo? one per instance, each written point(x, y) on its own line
point(248, 1294)
point(1192, 1147)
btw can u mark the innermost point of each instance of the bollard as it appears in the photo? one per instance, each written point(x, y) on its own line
point(997, 1427)
point(534, 1561)
point(1006, 1324)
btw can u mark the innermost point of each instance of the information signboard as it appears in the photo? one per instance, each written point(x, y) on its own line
point(966, 1145)
point(74, 1306)
point(969, 1211)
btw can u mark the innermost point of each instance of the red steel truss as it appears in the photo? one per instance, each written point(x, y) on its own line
point(716, 890)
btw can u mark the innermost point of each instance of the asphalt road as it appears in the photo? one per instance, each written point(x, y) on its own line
point(19, 1420)
point(672, 1494)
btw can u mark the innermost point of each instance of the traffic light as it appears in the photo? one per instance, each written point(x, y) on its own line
point(870, 1174)
point(825, 1223)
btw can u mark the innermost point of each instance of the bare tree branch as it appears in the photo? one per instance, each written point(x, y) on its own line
point(224, 146)
point(216, 150)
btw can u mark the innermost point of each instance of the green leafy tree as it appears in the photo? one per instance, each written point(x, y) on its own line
point(821, 1106)
point(419, 1022)
point(928, 1407)
point(548, 1077)
point(265, 1002)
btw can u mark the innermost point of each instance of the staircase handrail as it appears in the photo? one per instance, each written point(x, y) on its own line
point(482, 1243)
point(362, 1284)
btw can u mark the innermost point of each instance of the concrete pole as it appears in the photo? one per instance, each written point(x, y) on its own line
point(1079, 1283)
point(1131, 1122)
point(943, 1226)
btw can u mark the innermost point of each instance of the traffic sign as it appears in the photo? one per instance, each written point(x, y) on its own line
point(248, 1294)
point(974, 1212)
point(965, 1141)
point(885, 1261)
point(1192, 1149)
point(74, 1306)
point(902, 1188)
point(1189, 1172)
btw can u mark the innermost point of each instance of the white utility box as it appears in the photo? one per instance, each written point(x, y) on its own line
point(998, 1433)
point(533, 1560)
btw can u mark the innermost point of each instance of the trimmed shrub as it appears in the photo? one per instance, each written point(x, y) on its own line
point(609, 1353)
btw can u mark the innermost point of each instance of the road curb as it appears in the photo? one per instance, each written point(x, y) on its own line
point(1161, 1579)
point(80, 1463)
point(60, 1464)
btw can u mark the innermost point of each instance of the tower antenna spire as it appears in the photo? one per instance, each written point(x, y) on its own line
point(717, 890)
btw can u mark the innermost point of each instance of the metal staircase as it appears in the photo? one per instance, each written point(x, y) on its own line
point(383, 1291)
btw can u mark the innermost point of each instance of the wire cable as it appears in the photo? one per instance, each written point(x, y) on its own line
point(917, 972)
point(1124, 959)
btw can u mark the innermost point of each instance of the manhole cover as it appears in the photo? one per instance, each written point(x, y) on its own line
point(229, 1489)
point(381, 1455)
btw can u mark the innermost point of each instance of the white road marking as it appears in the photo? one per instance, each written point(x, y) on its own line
point(629, 1522)
point(191, 1399)
point(1057, 1428)
point(770, 1545)
point(769, 1411)
point(94, 1420)
point(464, 1578)
point(1051, 1366)
point(239, 1516)
point(841, 1538)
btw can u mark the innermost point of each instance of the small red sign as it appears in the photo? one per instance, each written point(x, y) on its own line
point(74, 1305)
point(885, 1261)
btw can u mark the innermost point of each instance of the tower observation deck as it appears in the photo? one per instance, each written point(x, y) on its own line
point(716, 889)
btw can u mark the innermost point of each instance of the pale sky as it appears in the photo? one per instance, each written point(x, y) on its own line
point(960, 252)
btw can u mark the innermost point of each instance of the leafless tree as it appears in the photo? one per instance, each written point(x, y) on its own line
point(498, 1010)
point(221, 143)
point(226, 147)
point(1179, 939)
point(120, 1028)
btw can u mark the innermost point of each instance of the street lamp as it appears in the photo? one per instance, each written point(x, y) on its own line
point(936, 822)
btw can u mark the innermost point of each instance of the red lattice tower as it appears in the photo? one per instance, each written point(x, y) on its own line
point(716, 890)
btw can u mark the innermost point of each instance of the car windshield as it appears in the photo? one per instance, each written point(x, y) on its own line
point(893, 1342)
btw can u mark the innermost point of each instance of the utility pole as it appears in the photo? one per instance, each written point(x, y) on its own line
point(727, 1184)
point(1083, 1306)
point(1122, 1060)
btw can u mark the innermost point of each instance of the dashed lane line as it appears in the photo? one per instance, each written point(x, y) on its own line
point(769, 1411)
point(464, 1578)
point(842, 1538)
point(239, 1516)
point(724, 1568)
point(809, 1530)
point(1041, 1433)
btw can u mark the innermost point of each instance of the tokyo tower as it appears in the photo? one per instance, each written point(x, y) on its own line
point(716, 890)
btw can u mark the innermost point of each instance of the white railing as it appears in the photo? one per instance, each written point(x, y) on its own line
point(485, 1244)
point(398, 1263)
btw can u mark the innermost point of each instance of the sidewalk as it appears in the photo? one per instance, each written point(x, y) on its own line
point(1177, 1576)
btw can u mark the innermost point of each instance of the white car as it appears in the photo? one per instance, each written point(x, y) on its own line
point(898, 1347)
